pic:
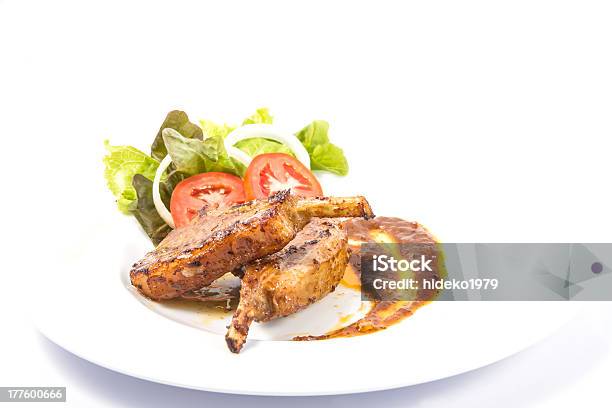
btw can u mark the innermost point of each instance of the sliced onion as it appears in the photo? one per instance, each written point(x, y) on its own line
point(159, 204)
point(244, 132)
point(266, 131)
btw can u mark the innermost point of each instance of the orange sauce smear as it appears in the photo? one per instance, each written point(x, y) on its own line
point(382, 314)
point(350, 278)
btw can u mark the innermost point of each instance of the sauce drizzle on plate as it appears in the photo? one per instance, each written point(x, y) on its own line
point(382, 314)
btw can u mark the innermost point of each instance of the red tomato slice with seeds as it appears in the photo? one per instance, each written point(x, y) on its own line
point(272, 172)
point(207, 189)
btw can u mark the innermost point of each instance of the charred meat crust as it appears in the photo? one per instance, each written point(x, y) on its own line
point(333, 207)
point(194, 256)
point(218, 241)
point(306, 270)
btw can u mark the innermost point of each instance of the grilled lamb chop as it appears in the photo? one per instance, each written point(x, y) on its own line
point(307, 269)
point(219, 241)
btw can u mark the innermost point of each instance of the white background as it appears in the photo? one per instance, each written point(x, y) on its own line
point(485, 121)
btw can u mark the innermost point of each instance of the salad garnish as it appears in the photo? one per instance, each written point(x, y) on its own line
point(207, 160)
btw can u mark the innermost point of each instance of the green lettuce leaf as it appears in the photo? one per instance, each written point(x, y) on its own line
point(256, 146)
point(144, 210)
point(314, 134)
point(329, 157)
point(192, 156)
point(252, 147)
point(261, 115)
point(212, 129)
point(121, 164)
point(179, 121)
point(188, 155)
point(324, 155)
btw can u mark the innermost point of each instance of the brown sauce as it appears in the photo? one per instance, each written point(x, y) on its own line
point(207, 310)
point(382, 314)
point(221, 298)
point(218, 300)
point(379, 317)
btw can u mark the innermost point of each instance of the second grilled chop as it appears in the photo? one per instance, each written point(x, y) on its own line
point(306, 270)
point(220, 241)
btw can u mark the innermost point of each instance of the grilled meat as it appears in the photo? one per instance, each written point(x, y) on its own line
point(219, 241)
point(307, 269)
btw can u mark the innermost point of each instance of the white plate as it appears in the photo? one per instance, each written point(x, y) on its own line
point(90, 310)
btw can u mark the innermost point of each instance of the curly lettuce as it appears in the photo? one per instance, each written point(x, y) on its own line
point(179, 121)
point(144, 210)
point(122, 163)
point(261, 115)
point(192, 156)
point(194, 149)
point(324, 155)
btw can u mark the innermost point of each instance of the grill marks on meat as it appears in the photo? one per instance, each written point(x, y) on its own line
point(307, 269)
point(215, 242)
point(218, 241)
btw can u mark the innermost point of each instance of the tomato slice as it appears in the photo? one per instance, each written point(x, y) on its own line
point(213, 189)
point(272, 172)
